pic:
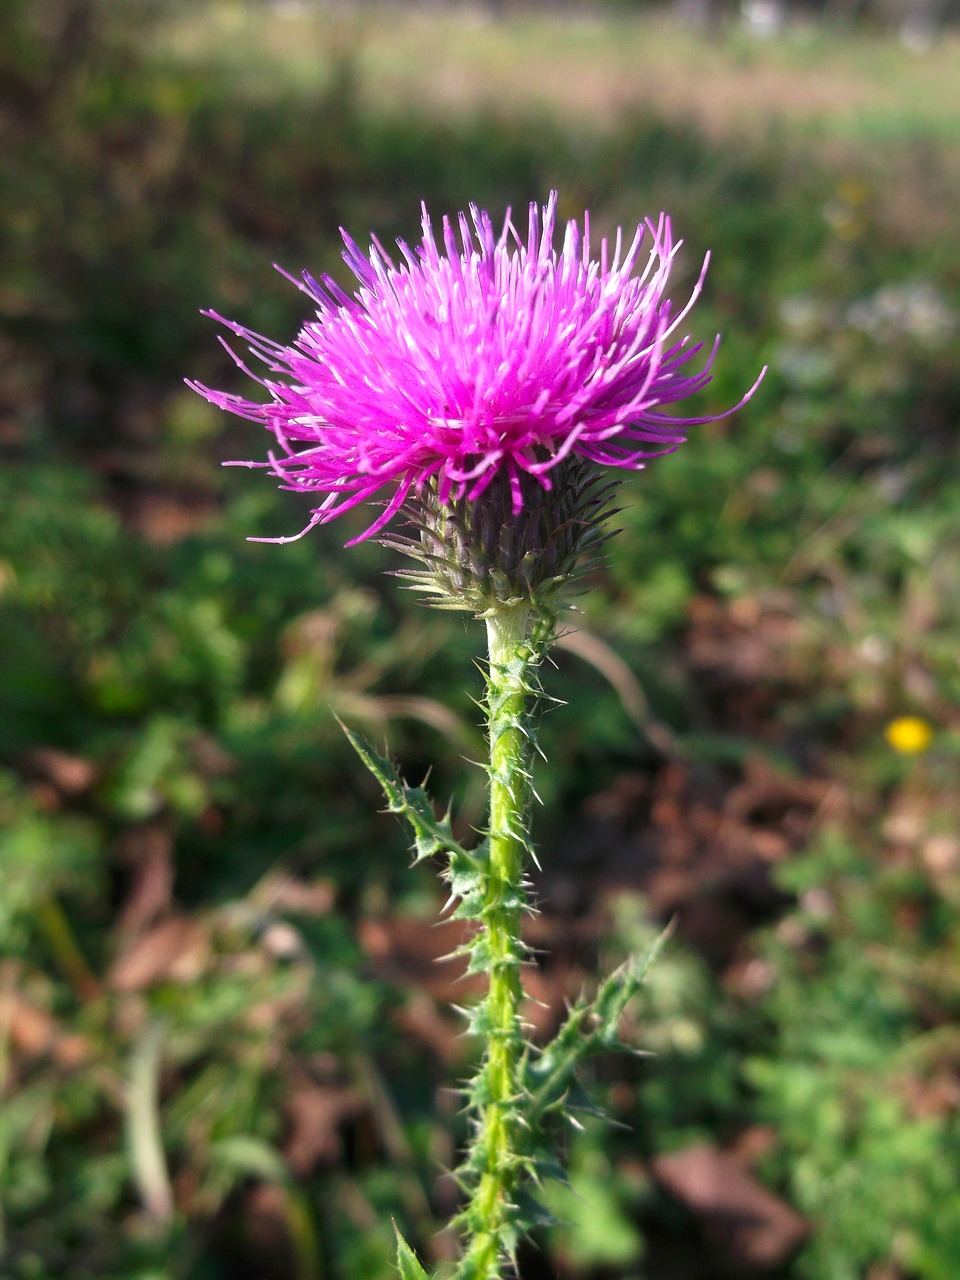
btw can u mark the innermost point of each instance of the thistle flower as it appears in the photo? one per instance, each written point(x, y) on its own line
point(494, 389)
point(468, 374)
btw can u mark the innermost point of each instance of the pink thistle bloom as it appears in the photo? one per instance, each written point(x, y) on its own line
point(460, 364)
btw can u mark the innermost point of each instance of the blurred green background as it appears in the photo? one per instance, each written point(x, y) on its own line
point(225, 1046)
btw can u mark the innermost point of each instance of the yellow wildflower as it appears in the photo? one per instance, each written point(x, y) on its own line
point(909, 734)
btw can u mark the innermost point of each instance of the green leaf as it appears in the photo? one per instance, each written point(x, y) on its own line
point(407, 1264)
point(464, 875)
point(596, 1216)
point(619, 989)
point(591, 1027)
point(431, 834)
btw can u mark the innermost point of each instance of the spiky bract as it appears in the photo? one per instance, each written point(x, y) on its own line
point(484, 557)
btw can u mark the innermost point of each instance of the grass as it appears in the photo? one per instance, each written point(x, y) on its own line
point(847, 100)
point(593, 69)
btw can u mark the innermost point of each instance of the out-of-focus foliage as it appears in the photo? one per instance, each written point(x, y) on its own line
point(223, 1045)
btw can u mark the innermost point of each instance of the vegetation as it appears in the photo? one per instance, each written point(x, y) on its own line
point(224, 1045)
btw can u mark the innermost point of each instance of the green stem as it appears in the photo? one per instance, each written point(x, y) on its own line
point(54, 923)
point(495, 1159)
point(144, 1130)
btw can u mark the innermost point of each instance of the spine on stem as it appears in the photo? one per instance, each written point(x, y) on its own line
point(519, 1092)
point(495, 1159)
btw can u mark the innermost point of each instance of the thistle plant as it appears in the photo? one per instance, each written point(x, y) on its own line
point(489, 392)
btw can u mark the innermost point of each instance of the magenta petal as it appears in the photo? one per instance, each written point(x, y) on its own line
point(477, 357)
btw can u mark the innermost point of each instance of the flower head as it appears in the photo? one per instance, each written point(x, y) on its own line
point(909, 735)
point(463, 369)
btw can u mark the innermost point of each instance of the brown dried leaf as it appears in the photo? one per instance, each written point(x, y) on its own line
point(749, 1229)
point(177, 950)
point(35, 1033)
point(148, 850)
point(69, 776)
point(443, 1036)
point(404, 949)
point(279, 891)
point(315, 1113)
point(167, 518)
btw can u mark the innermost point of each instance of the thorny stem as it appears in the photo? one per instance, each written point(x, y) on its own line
point(495, 1161)
point(517, 1089)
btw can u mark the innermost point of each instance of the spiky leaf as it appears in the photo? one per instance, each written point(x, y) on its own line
point(407, 1262)
point(431, 834)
